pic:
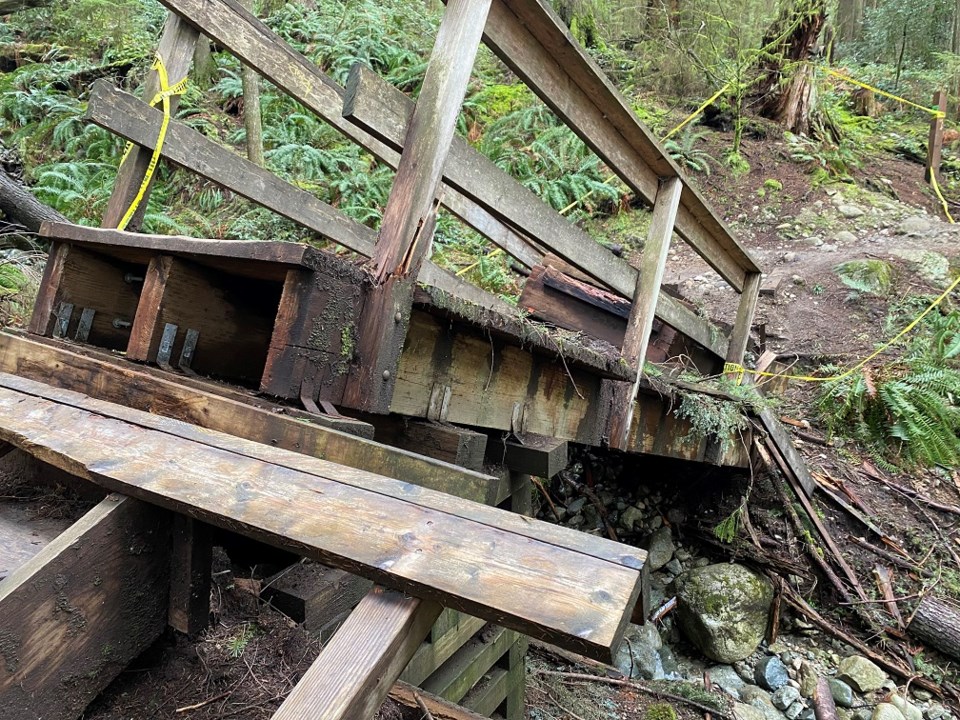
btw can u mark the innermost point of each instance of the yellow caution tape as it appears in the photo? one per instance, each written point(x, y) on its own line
point(740, 370)
point(166, 92)
point(468, 268)
point(846, 78)
point(696, 113)
point(943, 201)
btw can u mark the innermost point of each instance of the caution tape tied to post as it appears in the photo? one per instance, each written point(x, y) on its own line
point(163, 96)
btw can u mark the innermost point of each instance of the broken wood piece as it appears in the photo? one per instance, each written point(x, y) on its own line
point(824, 707)
point(785, 451)
point(354, 672)
point(442, 555)
point(441, 709)
point(75, 614)
point(936, 622)
point(884, 579)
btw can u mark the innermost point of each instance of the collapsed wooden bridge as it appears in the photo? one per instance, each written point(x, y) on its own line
point(241, 385)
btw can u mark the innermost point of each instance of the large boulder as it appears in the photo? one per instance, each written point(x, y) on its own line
point(723, 610)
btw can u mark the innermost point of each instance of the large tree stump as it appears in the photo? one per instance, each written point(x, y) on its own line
point(937, 623)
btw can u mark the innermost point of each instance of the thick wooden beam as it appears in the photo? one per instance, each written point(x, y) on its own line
point(73, 616)
point(439, 440)
point(533, 42)
point(530, 455)
point(177, 44)
point(465, 668)
point(118, 382)
point(428, 544)
point(191, 561)
point(409, 219)
point(441, 709)
point(355, 671)
point(384, 111)
point(640, 324)
point(240, 32)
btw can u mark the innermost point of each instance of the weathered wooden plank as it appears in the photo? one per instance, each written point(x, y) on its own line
point(489, 693)
point(407, 696)
point(452, 444)
point(176, 48)
point(271, 260)
point(74, 616)
point(118, 382)
point(383, 110)
point(464, 669)
point(793, 462)
point(440, 555)
point(23, 533)
point(744, 322)
point(191, 559)
point(355, 671)
point(640, 324)
point(432, 655)
point(259, 47)
point(45, 306)
point(533, 42)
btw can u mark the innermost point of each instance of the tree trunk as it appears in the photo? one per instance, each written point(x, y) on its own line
point(251, 108)
point(786, 87)
point(22, 210)
point(12, 6)
point(203, 65)
point(938, 625)
point(850, 20)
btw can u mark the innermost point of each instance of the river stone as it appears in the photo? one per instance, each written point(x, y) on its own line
point(785, 697)
point(936, 711)
point(795, 710)
point(807, 678)
point(630, 517)
point(844, 237)
point(886, 711)
point(742, 711)
point(762, 703)
point(659, 548)
point(771, 673)
point(723, 609)
point(841, 692)
point(726, 678)
point(861, 674)
point(639, 654)
point(910, 712)
point(914, 225)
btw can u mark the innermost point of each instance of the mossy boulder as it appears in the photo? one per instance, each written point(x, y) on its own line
point(723, 610)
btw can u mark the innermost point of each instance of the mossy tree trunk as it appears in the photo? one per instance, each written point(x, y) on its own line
point(252, 121)
point(786, 86)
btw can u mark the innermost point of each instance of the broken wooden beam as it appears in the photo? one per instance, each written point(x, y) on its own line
point(73, 616)
point(343, 517)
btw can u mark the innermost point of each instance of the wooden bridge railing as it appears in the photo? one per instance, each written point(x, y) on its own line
point(530, 39)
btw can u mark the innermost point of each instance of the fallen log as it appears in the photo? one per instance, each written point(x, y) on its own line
point(937, 623)
point(21, 207)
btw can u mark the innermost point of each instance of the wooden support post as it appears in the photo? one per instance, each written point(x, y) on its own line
point(640, 323)
point(177, 45)
point(409, 218)
point(190, 579)
point(744, 322)
point(74, 615)
point(935, 139)
point(355, 671)
point(441, 441)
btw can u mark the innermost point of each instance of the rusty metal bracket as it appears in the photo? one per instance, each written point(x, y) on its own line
point(166, 346)
point(188, 351)
point(83, 327)
point(64, 313)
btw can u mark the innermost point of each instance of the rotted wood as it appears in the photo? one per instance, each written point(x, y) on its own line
point(256, 45)
point(354, 672)
point(444, 555)
point(73, 616)
point(640, 323)
point(936, 622)
point(177, 45)
point(383, 110)
point(533, 41)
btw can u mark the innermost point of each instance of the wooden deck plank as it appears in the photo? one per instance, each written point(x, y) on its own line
point(73, 616)
point(406, 544)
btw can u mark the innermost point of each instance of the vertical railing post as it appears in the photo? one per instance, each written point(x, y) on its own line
point(935, 140)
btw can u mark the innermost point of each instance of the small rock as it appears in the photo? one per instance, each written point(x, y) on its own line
point(682, 555)
point(828, 247)
point(886, 711)
point(576, 506)
point(921, 694)
point(640, 657)
point(674, 567)
point(630, 517)
point(909, 711)
point(770, 673)
point(862, 713)
point(676, 516)
point(915, 225)
point(744, 670)
point(752, 694)
point(861, 674)
point(850, 211)
point(794, 711)
point(845, 237)
point(841, 692)
point(808, 679)
point(659, 548)
point(789, 257)
point(785, 697)
point(742, 711)
point(936, 711)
